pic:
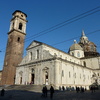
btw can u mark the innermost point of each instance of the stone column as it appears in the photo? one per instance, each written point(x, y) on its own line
point(56, 73)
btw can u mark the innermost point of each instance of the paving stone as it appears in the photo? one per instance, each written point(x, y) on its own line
point(25, 93)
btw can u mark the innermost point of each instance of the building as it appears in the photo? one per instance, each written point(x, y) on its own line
point(44, 64)
point(14, 49)
point(0, 75)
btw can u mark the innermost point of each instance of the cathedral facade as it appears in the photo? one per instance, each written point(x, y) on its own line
point(44, 64)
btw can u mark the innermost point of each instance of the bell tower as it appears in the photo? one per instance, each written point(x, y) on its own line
point(15, 45)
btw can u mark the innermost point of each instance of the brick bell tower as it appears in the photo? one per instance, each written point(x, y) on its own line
point(14, 49)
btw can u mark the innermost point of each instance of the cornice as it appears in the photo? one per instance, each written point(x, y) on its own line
point(56, 58)
point(17, 31)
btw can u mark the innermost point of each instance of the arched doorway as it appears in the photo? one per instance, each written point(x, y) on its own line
point(20, 77)
point(20, 80)
point(46, 76)
point(32, 76)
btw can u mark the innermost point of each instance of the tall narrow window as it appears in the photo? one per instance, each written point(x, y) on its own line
point(84, 64)
point(62, 73)
point(46, 75)
point(30, 56)
point(92, 47)
point(78, 54)
point(75, 75)
point(20, 26)
point(13, 25)
point(32, 70)
point(72, 53)
point(18, 39)
point(37, 54)
point(69, 74)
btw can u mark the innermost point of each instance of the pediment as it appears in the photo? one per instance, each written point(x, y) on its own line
point(34, 44)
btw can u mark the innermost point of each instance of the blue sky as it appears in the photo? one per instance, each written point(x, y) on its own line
point(44, 14)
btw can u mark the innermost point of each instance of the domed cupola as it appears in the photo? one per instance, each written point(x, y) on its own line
point(84, 39)
point(76, 50)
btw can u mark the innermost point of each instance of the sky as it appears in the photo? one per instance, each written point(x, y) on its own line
point(61, 20)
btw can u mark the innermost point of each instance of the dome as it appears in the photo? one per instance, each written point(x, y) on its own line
point(76, 47)
point(76, 50)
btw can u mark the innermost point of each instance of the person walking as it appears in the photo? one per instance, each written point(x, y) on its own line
point(44, 92)
point(51, 92)
point(2, 92)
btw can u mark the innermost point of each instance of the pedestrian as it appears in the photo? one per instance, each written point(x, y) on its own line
point(2, 92)
point(76, 89)
point(44, 92)
point(91, 89)
point(59, 88)
point(63, 88)
point(51, 92)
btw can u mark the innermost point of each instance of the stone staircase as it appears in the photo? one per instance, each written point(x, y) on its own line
point(35, 88)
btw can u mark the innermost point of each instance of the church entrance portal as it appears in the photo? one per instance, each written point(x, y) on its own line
point(46, 78)
point(20, 77)
point(32, 78)
point(20, 80)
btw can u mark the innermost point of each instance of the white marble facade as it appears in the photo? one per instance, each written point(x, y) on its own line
point(44, 64)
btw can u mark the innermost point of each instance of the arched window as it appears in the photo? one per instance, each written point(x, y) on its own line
point(20, 26)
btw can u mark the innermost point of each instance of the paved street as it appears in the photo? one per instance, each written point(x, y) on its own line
point(62, 95)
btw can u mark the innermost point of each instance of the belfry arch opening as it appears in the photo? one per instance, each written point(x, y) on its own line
point(20, 26)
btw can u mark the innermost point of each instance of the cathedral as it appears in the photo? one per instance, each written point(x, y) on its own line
point(44, 64)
